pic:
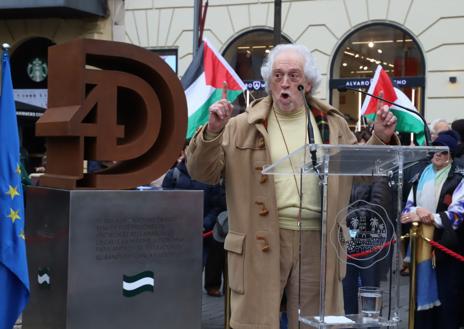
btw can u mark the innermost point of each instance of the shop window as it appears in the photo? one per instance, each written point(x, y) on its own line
point(168, 55)
point(246, 54)
point(357, 58)
point(29, 72)
point(29, 63)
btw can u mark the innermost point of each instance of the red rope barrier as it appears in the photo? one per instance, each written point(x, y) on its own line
point(370, 251)
point(444, 249)
point(207, 234)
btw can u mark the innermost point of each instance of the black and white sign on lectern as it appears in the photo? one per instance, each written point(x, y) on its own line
point(358, 233)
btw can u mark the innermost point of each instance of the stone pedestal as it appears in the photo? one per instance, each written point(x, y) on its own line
point(114, 259)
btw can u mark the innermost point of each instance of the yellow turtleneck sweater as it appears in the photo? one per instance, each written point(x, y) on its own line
point(294, 130)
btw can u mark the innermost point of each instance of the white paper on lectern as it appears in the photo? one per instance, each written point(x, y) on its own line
point(334, 319)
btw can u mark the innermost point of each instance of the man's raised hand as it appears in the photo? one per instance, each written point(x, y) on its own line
point(385, 121)
point(219, 113)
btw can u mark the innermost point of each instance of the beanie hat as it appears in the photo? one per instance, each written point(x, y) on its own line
point(447, 138)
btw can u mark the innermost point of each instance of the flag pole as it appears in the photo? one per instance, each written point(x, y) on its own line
point(359, 112)
point(196, 24)
point(202, 23)
point(277, 22)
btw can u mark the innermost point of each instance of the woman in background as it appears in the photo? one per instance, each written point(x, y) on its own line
point(437, 201)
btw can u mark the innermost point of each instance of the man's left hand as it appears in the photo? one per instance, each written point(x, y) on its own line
point(385, 123)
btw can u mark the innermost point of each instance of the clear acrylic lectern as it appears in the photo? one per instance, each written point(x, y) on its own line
point(361, 235)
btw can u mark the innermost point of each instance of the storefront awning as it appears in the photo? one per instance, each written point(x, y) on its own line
point(52, 8)
point(30, 102)
point(28, 111)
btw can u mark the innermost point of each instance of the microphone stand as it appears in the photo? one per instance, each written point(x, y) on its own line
point(428, 140)
point(312, 146)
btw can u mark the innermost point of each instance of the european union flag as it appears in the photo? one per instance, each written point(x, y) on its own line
point(14, 279)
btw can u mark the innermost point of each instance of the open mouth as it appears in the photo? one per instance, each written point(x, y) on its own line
point(285, 95)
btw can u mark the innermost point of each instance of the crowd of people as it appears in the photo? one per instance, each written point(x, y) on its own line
point(436, 199)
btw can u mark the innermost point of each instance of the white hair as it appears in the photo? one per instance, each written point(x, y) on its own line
point(436, 122)
point(311, 72)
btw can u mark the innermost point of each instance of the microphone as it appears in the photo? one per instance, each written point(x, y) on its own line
point(310, 126)
point(312, 147)
point(428, 140)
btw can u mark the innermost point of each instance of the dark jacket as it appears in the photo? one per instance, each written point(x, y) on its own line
point(178, 178)
point(370, 220)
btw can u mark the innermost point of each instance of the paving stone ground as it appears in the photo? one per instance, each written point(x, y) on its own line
point(213, 308)
point(212, 316)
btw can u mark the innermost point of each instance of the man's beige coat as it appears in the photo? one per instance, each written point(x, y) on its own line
point(239, 154)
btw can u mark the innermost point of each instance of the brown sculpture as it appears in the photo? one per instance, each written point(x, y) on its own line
point(110, 101)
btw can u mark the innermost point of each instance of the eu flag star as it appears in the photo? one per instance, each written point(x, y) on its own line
point(12, 192)
point(18, 169)
point(22, 236)
point(14, 215)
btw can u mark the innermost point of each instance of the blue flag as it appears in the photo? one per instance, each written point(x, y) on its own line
point(14, 279)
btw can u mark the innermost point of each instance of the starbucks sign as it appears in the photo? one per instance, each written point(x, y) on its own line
point(37, 70)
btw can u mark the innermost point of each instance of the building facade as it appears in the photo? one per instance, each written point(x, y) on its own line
point(418, 42)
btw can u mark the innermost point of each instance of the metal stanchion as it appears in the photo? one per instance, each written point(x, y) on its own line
point(226, 297)
point(412, 272)
point(227, 310)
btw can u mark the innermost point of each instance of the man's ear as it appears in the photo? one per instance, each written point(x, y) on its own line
point(308, 87)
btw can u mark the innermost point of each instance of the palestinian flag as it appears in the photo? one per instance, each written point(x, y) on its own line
point(203, 82)
point(408, 122)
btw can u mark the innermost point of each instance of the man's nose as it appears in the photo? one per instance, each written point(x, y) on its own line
point(285, 81)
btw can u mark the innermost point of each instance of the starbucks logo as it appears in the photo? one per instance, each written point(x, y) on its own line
point(37, 70)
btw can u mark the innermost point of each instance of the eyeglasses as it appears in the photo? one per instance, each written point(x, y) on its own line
point(293, 76)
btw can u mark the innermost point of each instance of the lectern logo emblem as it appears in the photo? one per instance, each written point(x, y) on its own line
point(115, 103)
point(365, 236)
point(136, 284)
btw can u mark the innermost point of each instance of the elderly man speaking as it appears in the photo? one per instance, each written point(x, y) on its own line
point(263, 238)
